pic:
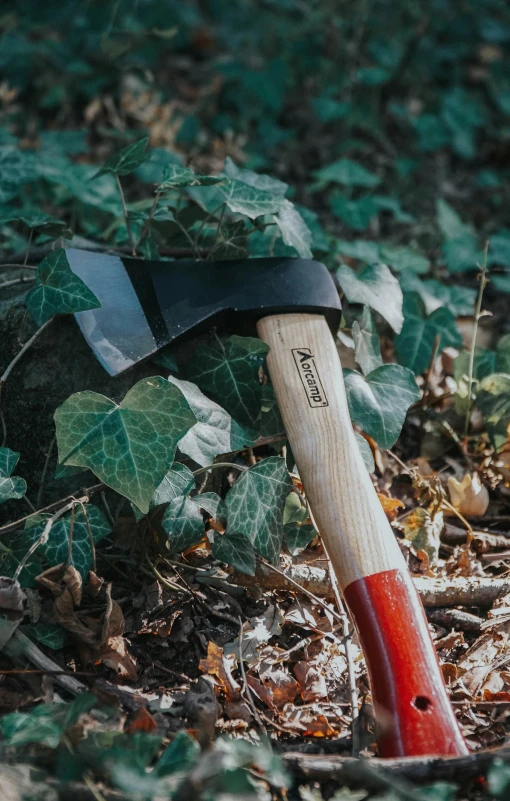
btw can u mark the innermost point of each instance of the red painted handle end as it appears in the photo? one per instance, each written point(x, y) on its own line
point(410, 698)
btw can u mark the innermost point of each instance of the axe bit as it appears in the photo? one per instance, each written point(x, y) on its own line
point(294, 306)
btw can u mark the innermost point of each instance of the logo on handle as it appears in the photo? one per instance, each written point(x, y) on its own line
point(310, 378)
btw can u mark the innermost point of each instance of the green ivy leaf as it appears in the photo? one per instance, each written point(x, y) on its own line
point(176, 176)
point(404, 260)
point(347, 173)
point(178, 481)
point(297, 537)
point(11, 487)
point(294, 230)
point(255, 505)
point(461, 249)
point(215, 432)
point(126, 160)
point(58, 290)
point(367, 348)
point(415, 342)
point(177, 757)
point(37, 220)
point(361, 249)
point(244, 199)
point(128, 446)
point(229, 372)
point(232, 241)
point(366, 453)
point(184, 524)
point(254, 179)
point(69, 540)
point(356, 214)
point(51, 635)
point(458, 299)
point(46, 723)
point(376, 287)
point(13, 548)
point(493, 400)
point(379, 402)
point(235, 550)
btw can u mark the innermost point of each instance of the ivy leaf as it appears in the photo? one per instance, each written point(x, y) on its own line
point(416, 340)
point(215, 432)
point(229, 372)
point(126, 160)
point(360, 249)
point(37, 220)
point(404, 260)
point(294, 230)
point(356, 214)
point(13, 548)
point(257, 180)
point(184, 524)
point(235, 550)
point(297, 537)
point(178, 481)
point(232, 241)
point(250, 201)
point(11, 487)
point(51, 635)
point(367, 348)
point(255, 505)
point(58, 290)
point(69, 540)
point(366, 453)
point(347, 173)
point(461, 249)
point(128, 446)
point(378, 403)
point(493, 400)
point(46, 723)
point(458, 299)
point(177, 757)
point(376, 287)
point(176, 176)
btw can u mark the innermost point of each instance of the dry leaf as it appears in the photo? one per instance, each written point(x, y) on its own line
point(469, 496)
point(390, 506)
point(312, 681)
point(275, 688)
point(217, 664)
point(424, 531)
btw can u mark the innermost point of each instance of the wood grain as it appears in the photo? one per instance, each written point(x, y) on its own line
point(342, 498)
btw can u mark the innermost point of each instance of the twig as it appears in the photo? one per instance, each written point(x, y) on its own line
point(126, 216)
point(218, 464)
point(45, 470)
point(47, 509)
point(20, 645)
point(21, 353)
point(15, 281)
point(433, 356)
point(29, 245)
point(17, 265)
point(478, 315)
point(247, 688)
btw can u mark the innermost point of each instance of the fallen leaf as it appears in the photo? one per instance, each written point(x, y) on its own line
point(390, 506)
point(311, 680)
point(143, 721)
point(274, 688)
point(469, 496)
point(220, 665)
point(423, 530)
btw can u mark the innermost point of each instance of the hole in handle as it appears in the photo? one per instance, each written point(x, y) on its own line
point(422, 703)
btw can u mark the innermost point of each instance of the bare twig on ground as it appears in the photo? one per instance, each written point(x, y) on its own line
point(20, 647)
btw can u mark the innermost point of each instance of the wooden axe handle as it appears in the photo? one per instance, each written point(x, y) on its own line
point(408, 690)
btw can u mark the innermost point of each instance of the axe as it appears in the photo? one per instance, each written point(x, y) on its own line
point(293, 305)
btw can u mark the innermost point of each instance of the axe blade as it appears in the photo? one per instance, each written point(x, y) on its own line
point(145, 305)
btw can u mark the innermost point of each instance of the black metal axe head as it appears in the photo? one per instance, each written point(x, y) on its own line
point(145, 305)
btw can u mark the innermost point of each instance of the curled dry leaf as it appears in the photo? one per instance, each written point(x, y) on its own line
point(275, 687)
point(390, 506)
point(220, 665)
point(469, 496)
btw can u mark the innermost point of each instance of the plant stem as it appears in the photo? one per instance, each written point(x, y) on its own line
point(27, 254)
point(23, 350)
point(15, 281)
point(478, 315)
point(147, 225)
point(218, 464)
point(126, 216)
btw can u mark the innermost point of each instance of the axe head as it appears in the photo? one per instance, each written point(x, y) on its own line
point(145, 305)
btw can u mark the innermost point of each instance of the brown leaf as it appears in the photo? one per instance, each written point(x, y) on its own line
point(275, 688)
point(143, 721)
point(218, 665)
point(469, 496)
point(115, 655)
point(390, 506)
point(312, 681)
point(312, 721)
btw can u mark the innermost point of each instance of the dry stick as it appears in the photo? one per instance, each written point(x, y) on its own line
point(126, 216)
point(247, 688)
point(21, 353)
point(45, 470)
point(20, 645)
point(88, 491)
point(15, 281)
point(18, 265)
point(218, 464)
point(478, 315)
